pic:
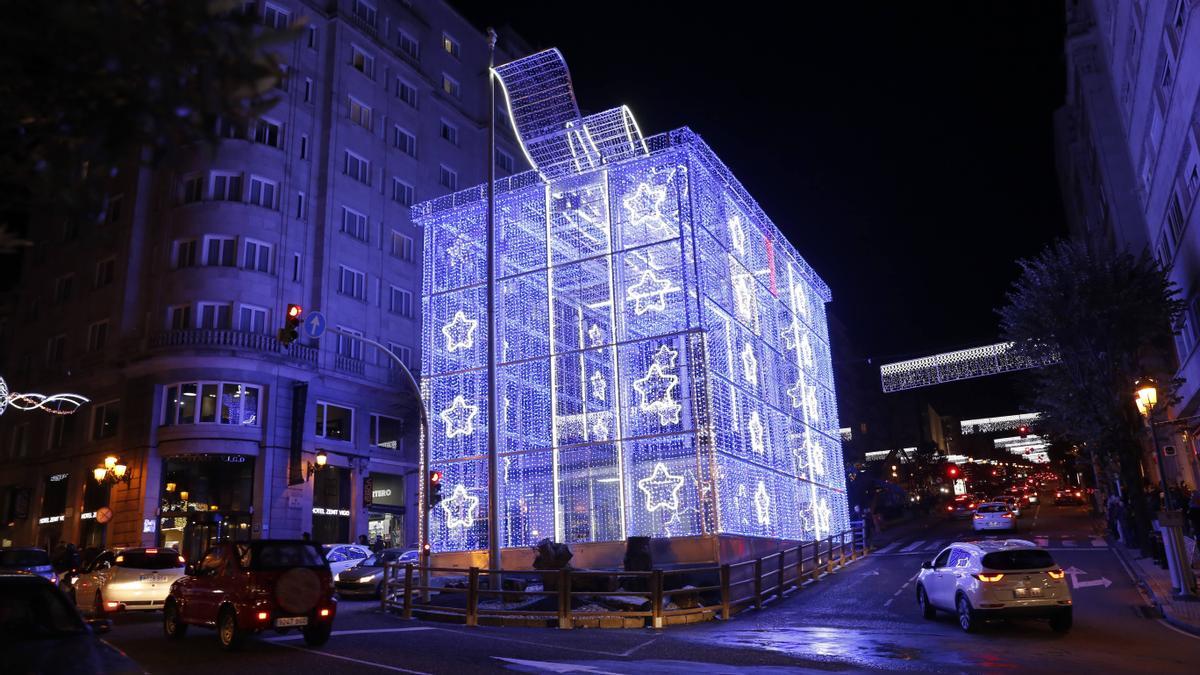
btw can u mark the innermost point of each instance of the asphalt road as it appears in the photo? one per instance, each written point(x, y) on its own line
point(861, 618)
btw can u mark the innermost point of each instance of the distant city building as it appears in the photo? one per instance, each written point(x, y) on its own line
point(165, 312)
point(1128, 151)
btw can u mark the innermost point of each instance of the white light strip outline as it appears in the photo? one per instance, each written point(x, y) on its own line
point(963, 364)
point(33, 401)
point(984, 425)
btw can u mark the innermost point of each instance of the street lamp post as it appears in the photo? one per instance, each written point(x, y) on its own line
point(493, 408)
point(1170, 521)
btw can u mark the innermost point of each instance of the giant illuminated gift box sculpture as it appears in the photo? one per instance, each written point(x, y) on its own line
point(665, 366)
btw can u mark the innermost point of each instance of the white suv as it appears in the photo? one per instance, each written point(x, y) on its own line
point(994, 516)
point(984, 580)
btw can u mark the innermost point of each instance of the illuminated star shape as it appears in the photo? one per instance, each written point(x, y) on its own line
point(821, 514)
point(743, 297)
point(737, 235)
point(645, 206)
point(649, 293)
point(762, 504)
point(460, 508)
point(796, 392)
point(599, 386)
point(459, 417)
point(596, 335)
point(600, 428)
point(799, 300)
point(816, 458)
point(791, 335)
point(806, 351)
point(749, 364)
point(458, 251)
point(812, 413)
point(460, 332)
point(655, 391)
point(665, 357)
point(661, 489)
point(755, 427)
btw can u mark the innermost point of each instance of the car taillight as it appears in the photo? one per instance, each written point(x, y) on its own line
point(182, 561)
point(988, 577)
point(949, 508)
point(151, 551)
point(324, 612)
point(978, 517)
point(971, 505)
point(1007, 515)
point(262, 616)
point(1056, 574)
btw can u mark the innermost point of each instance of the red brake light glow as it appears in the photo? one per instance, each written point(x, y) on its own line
point(1056, 574)
point(949, 508)
point(262, 616)
point(151, 551)
point(978, 517)
point(324, 612)
point(989, 577)
point(1007, 515)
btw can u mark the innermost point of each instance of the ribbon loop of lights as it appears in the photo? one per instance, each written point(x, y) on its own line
point(663, 364)
point(56, 404)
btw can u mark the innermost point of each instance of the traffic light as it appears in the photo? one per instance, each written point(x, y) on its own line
point(952, 471)
point(435, 488)
point(1023, 431)
point(291, 325)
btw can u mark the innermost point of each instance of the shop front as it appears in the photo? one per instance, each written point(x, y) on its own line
point(383, 494)
point(94, 516)
point(54, 511)
point(205, 499)
point(331, 505)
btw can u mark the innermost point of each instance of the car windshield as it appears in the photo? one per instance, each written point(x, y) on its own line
point(23, 558)
point(382, 558)
point(279, 555)
point(993, 508)
point(1018, 559)
point(35, 611)
point(149, 559)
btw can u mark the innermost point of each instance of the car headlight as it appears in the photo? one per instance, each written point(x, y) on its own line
point(337, 577)
point(369, 578)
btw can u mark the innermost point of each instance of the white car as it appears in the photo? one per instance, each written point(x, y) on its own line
point(991, 516)
point(131, 579)
point(342, 557)
point(1014, 504)
point(983, 580)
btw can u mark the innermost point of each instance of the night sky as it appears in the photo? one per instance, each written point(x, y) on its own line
point(906, 149)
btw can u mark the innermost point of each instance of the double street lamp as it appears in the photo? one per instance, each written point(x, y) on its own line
point(1170, 521)
point(114, 470)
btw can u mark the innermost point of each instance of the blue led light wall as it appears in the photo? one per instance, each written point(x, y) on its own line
point(664, 365)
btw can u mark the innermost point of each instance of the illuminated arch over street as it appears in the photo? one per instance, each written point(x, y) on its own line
point(663, 355)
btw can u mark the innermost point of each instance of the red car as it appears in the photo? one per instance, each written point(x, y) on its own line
point(248, 587)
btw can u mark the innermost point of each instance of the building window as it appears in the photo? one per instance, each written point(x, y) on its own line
point(214, 315)
point(257, 256)
point(450, 86)
point(231, 128)
point(354, 223)
point(184, 254)
point(402, 192)
point(448, 178)
point(62, 288)
point(296, 267)
point(1163, 251)
point(403, 246)
point(1193, 179)
point(219, 403)
point(179, 317)
point(401, 302)
point(348, 344)
point(300, 207)
point(451, 46)
point(267, 133)
point(105, 419)
point(362, 62)
point(408, 44)
point(304, 147)
point(334, 422)
point(365, 11)
point(276, 17)
point(449, 132)
point(353, 283)
point(97, 336)
point(262, 192)
point(403, 353)
point(60, 428)
point(312, 37)
point(193, 189)
point(1175, 217)
point(308, 90)
point(56, 349)
point(357, 168)
point(504, 160)
point(360, 113)
point(220, 251)
point(404, 141)
point(252, 319)
point(406, 92)
point(112, 209)
point(105, 269)
point(227, 187)
point(385, 432)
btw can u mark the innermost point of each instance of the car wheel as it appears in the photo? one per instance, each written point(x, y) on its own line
point(966, 615)
point(173, 626)
point(927, 610)
point(227, 630)
point(98, 606)
point(1061, 622)
point(316, 635)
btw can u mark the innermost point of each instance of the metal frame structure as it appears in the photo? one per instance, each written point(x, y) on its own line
point(964, 364)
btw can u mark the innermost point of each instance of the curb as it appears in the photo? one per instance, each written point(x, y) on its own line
point(1118, 548)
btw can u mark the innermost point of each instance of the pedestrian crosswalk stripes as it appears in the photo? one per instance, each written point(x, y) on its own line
point(905, 546)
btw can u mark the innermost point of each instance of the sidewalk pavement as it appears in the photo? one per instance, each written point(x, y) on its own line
point(1183, 614)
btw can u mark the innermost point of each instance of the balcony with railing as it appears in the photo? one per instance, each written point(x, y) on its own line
point(202, 338)
point(349, 364)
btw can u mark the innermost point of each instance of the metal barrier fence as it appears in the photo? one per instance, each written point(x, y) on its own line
point(738, 586)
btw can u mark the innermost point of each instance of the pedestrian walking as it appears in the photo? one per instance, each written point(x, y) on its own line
point(378, 545)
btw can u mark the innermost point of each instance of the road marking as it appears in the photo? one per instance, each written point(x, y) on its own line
point(912, 547)
point(1099, 543)
point(351, 659)
point(887, 548)
point(1167, 624)
point(554, 667)
point(1074, 573)
point(936, 546)
point(890, 601)
point(476, 634)
point(899, 591)
point(1069, 543)
point(370, 631)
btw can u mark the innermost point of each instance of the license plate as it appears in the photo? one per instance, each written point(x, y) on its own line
point(287, 621)
point(153, 578)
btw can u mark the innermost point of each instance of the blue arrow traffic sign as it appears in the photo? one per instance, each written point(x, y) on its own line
point(314, 325)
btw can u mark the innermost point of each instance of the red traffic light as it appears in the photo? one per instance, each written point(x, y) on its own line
point(435, 476)
point(952, 471)
point(1023, 431)
point(294, 311)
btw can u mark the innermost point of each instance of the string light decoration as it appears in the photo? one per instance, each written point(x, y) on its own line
point(56, 404)
point(965, 364)
point(665, 365)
